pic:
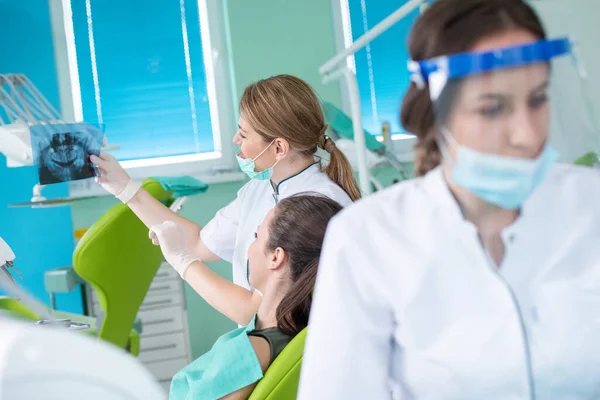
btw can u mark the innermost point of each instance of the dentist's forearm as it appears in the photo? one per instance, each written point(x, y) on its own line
point(235, 302)
point(151, 212)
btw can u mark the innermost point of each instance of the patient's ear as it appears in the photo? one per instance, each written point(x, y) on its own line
point(277, 259)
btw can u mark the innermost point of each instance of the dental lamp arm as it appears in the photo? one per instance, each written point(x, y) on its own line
point(371, 34)
point(331, 71)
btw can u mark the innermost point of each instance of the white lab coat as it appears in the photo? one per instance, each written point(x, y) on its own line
point(408, 302)
point(231, 232)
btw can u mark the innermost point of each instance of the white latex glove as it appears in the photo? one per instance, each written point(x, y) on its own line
point(169, 235)
point(113, 177)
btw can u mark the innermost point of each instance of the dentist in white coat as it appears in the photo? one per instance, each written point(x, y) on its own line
point(481, 278)
point(280, 129)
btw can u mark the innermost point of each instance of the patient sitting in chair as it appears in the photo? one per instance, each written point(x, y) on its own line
point(282, 266)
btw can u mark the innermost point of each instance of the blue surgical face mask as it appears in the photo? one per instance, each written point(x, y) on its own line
point(503, 181)
point(249, 168)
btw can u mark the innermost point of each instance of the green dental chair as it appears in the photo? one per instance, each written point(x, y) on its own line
point(118, 260)
point(281, 380)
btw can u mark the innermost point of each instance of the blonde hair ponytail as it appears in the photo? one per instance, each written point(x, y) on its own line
point(339, 169)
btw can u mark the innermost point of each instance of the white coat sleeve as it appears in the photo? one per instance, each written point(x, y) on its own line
point(347, 353)
point(220, 234)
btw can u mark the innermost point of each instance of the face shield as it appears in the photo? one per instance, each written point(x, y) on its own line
point(505, 116)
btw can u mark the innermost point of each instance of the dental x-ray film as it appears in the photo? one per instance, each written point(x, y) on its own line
point(62, 151)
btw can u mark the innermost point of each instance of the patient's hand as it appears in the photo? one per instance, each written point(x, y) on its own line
point(171, 238)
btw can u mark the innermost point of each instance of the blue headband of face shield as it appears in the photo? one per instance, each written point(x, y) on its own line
point(474, 63)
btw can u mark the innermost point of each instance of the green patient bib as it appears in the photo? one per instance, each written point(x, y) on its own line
point(230, 365)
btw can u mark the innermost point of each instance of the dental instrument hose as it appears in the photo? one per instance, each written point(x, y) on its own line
point(24, 297)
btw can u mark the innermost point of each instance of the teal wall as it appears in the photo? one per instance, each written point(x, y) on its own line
point(270, 37)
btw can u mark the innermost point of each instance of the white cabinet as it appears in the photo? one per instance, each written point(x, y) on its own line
point(164, 342)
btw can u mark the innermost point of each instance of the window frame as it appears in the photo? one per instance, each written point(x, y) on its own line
point(402, 143)
point(217, 166)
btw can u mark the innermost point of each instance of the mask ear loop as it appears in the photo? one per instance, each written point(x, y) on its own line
point(276, 162)
point(262, 152)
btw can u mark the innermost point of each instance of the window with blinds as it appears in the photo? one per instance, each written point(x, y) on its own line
point(142, 75)
point(380, 66)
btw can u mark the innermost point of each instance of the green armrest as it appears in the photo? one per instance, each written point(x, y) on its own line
point(17, 309)
point(283, 376)
point(64, 280)
point(61, 280)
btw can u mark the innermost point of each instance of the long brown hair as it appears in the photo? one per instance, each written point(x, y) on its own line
point(298, 227)
point(449, 27)
point(284, 106)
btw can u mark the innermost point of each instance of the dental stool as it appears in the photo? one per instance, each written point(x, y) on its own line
point(281, 380)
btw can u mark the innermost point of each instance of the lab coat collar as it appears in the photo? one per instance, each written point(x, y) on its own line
point(448, 208)
point(297, 179)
